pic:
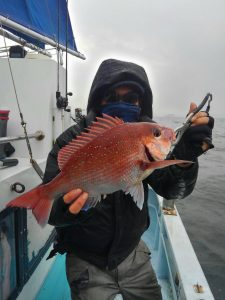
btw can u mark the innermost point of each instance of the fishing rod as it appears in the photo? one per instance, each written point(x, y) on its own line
point(187, 122)
point(62, 102)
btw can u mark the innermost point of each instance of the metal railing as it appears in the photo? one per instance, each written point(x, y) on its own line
point(38, 135)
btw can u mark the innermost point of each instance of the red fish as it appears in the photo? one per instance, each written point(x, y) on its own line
point(111, 156)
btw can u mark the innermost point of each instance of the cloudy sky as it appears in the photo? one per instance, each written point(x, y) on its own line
point(180, 43)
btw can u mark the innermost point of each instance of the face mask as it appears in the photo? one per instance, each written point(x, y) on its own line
point(125, 111)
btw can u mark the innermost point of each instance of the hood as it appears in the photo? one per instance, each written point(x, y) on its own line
point(111, 72)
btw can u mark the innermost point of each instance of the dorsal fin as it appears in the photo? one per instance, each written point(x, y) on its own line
point(97, 128)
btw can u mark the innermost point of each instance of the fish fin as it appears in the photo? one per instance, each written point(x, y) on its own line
point(91, 202)
point(38, 200)
point(137, 192)
point(102, 125)
point(160, 164)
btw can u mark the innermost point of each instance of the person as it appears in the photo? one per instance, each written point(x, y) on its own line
point(105, 253)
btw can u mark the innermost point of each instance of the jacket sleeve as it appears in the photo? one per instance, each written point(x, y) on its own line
point(60, 215)
point(174, 182)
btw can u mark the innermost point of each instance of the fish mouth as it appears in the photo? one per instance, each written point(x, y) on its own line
point(148, 154)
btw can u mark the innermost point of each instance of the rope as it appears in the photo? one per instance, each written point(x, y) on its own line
point(32, 161)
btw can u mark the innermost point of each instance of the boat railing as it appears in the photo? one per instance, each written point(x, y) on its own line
point(38, 135)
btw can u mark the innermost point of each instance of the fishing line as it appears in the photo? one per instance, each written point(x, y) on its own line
point(23, 124)
point(10, 69)
point(62, 101)
point(58, 52)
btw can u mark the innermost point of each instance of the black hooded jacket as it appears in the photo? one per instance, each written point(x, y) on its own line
point(106, 234)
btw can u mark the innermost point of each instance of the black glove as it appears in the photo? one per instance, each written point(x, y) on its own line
point(190, 145)
point(60, 214)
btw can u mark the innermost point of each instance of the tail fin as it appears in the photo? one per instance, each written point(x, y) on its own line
point(38, 200)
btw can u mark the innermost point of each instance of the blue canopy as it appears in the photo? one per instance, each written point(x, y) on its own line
point(41, 16)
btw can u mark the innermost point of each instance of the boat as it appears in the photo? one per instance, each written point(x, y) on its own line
point(34, 92)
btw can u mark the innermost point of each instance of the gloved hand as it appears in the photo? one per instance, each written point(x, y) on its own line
point(198, 137)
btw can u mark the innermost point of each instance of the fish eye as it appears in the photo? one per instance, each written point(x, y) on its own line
point(156, 132)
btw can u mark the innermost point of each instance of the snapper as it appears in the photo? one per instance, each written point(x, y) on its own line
point(111, 156)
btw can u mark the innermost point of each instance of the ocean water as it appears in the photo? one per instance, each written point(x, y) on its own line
point(203, 212)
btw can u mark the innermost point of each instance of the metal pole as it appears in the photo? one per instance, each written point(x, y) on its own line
point(23, 42)
point(38, 135)
point(37, 36)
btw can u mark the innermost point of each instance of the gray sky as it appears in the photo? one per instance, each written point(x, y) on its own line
point(180, 43)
